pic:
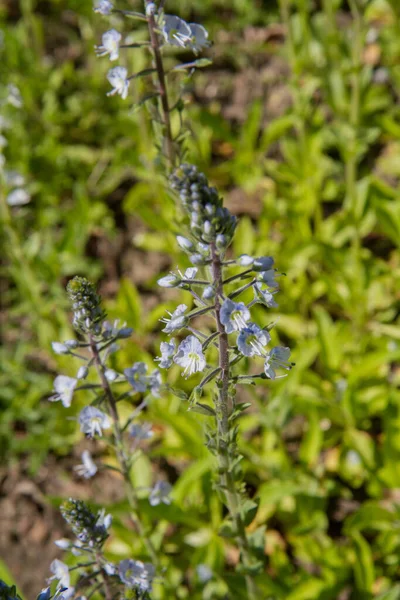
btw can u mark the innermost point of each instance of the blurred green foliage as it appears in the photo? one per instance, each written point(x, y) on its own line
point(319, 190)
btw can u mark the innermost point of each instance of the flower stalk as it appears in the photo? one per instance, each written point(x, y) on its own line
point(223, 410)
point(162, 87)
point(120, 450)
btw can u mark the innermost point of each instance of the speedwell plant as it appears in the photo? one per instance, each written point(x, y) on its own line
point(208, 340)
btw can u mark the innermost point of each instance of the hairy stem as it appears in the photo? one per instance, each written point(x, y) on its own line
point(162, 87)
point(223, 409)
point(107, 588)
point(121, 454)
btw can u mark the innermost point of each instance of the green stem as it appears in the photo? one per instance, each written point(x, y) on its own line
point(162, 86)
point(121, 454)
point(223, 410)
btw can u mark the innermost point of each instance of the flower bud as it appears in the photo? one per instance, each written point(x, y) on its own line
point(263, 263)
point(169, 281)
point(124, 332)
point(71, 343)
point(245, 260)
point(64, 544)
point(207, 227)
point(59, 348)
point(198, 259)
point(209, 293)
point(203, 248)
point(184, 243)
point(45, 594)
point(82, 373)
point(221, 241)
point(111, 375)
point(150, 9)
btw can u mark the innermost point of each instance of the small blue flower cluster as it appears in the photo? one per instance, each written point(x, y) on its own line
point(98, 340)
point(174, 32)
point(212, 227)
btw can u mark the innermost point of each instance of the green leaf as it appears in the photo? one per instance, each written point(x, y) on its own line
point(128, 304)
point(202, 409)
point(249, 511)
point(228, 529)
point(312, 441)
point(178, 393)
point(331, 351)
point(239, 409)
point(364, 571)
point(370, 516)
point(363, 444)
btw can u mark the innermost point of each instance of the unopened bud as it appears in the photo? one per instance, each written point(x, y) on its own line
point(184, 243)
point(169, 281)
point(59, 348)
point(82, 372)
point(263, 263)
point(151, 9)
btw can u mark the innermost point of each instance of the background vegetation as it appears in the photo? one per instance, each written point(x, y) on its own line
point(298, 123)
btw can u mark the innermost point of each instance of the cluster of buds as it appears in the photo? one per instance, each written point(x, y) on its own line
point(90, 529)
point(86, 304)
point(209, 220)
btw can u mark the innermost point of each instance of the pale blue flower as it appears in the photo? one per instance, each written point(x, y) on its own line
point(141, 431)
point(18, 197)
point(118, 78)
point(268, 277)
point(64, 387)
point(167, 352)
point(177, 319)
point(110, 569)
point(264, 296)
point(199, 37)
point(190, 356)
point(104, 520)
point(103, 7)
point(204, 573)
point(93, 421)
point(116, 330)
point(154, 382)
point(136, 376)
point(234, 315)
point(252, 339)
point(88, 467)
point(136, 574)
point(277, 358)
point(160, 493)
point(176, 31)
point(60, 573)
point(190, 273)
point(14, 96)
point(110, 44)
